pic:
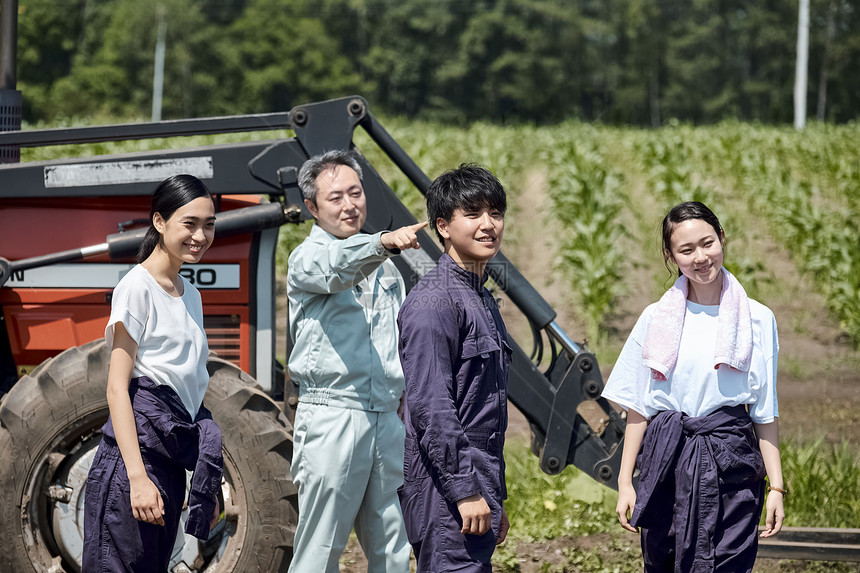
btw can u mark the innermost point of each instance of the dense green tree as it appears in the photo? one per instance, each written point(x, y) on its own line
point(406, 43)
point(697, 86)
point(112, 71)
point(519, 59)
point(284, 56)
point(619, 61)
point(834, 85)
point(48, 39)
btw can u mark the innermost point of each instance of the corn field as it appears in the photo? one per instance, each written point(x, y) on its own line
point(609, 188)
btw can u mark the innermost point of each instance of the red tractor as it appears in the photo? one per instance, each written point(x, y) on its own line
point(69, 230)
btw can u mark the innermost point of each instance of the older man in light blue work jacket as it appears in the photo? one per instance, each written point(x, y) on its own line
point(344, 295)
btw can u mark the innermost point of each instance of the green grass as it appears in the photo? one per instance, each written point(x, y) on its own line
point(823, 483)
point(543, 507)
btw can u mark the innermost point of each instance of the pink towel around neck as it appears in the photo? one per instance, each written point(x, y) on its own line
point(734, 334)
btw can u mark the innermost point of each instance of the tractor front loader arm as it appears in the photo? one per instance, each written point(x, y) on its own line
point(556, 386)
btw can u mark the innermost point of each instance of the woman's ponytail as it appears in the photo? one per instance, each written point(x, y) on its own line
point(150, 241)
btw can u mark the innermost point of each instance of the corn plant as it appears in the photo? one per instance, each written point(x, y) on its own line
point(808, 195)
point(587, 201)
point(668, 160)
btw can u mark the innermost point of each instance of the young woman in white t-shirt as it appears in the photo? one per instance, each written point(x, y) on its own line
point(696, 421)
point(155, 387)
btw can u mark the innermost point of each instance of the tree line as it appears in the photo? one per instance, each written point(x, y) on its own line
point(641, 62)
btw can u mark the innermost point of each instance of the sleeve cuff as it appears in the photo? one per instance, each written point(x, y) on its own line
point(380, 248)
point(456, 488)
point(131, 325)
point(626, 404)
point(199, 518)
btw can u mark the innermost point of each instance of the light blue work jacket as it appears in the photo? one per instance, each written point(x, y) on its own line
point(344, 296)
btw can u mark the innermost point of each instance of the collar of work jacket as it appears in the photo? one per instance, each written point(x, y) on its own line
point(471, 279)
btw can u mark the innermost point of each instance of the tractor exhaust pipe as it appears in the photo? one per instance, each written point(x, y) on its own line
point(10, 98)
point(8, 44)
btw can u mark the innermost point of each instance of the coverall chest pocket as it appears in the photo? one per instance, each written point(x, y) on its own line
point(480, 355)
point(479, 345)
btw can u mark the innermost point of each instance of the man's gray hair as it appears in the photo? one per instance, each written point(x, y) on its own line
point(320, 163)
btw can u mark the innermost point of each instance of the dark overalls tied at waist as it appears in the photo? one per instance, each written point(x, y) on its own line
point(700, 492)
point(167, 433)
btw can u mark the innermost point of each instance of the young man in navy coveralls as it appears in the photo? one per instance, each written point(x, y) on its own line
point(455, 356)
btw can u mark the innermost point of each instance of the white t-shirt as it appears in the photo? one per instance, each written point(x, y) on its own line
point(171, 343)
point(694, 386)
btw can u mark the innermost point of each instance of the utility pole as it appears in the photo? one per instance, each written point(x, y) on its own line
point(158, 76)
point(800, 72)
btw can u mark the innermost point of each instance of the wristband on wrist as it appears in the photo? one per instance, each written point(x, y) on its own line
point(779, 489)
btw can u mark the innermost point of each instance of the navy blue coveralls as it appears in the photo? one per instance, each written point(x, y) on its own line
point(170, 442)
point(455, 356)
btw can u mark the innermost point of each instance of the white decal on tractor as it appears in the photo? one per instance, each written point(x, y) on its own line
point(118, 172)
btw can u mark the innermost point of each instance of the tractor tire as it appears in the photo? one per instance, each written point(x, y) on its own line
point(258, 442)
point(50, 426)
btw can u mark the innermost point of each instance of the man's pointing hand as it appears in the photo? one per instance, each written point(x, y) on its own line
point(402, 238)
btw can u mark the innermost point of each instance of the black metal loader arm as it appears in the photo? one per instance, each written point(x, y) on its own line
point(552, 400)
